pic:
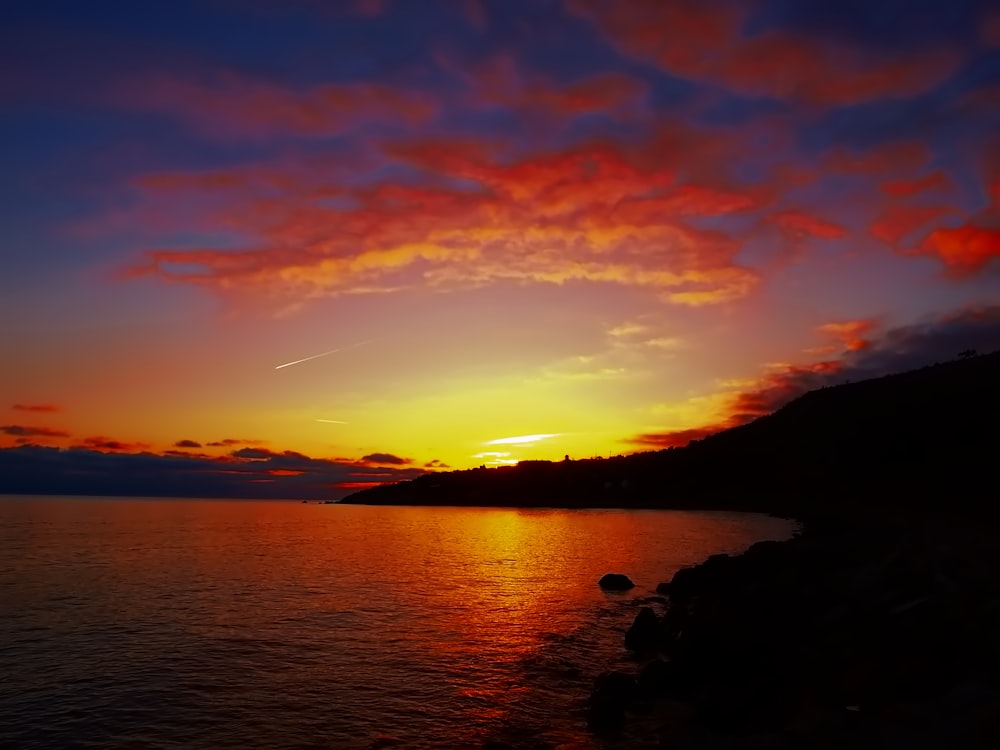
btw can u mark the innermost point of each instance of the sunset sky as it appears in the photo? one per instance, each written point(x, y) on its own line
point(513, 228)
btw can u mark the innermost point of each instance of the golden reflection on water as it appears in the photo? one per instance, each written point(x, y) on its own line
point(440, 620)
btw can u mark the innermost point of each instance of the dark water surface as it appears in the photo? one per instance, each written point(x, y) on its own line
point(223, 624)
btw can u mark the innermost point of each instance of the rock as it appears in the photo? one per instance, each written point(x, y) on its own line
point(656, 677)
point(644, 632)
point(663, 588)
point(615, 582)
point(613, 691)
point(717, 573)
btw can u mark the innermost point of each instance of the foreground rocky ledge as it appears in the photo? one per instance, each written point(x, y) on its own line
point(879, 634)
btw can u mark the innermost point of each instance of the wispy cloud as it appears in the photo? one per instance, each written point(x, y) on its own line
point(37, 408)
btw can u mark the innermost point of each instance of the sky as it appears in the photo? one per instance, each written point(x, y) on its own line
point(290, 249)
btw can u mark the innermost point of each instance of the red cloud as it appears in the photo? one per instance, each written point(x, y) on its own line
point(475, 13)
point(890, 158)
point(37, 408)
point(990, 29)
point(593, 213)
point(369, 7)
point(904, 188)
point(678, 438)
point(964, 250)
point(102, 443)
point(702, 40)
point(897, 222)
point(797, 225)
point(236, 106)
point(769, 394)
point(501, 82)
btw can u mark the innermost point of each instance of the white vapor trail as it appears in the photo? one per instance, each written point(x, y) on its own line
point(323, 354)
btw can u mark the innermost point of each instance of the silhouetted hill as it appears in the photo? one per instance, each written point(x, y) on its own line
point(925, 437)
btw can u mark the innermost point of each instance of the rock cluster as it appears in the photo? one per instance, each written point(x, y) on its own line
point(845, 636)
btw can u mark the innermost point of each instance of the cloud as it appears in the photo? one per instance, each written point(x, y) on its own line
point(37, 408)
point(906, 188)
point(32, 469)
point(849, 333)
point(231, 105)
point(706, 41)
point(891, 158)
point(964, 250)
point(501, 82)
point(935, 339)
point(989, 28)
point(897, 222)
point(474, 12)
point(229, 442)
point(799, 225)
point(263, 454)
point(18, 430)
point(590, 213)
point(187, 444)
point(383, 459)
point(436, 464)
point(103, 443)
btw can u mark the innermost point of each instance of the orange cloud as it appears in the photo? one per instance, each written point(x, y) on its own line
point(233, 105)
point(589, 213)
point(703, 41)
point(849, 333)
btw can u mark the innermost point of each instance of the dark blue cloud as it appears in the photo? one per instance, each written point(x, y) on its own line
point(33, 469)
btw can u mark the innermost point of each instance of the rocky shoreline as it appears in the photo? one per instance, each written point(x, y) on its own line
point(874, 633)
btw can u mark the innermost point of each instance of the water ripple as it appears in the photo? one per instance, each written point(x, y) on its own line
point(171, 624)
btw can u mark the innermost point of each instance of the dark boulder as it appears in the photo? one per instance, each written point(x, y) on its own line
point(644, 632)
point(663, 588)
point(616, 582)
point(717, 574)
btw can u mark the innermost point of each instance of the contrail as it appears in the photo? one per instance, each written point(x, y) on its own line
point(331, 421)
point(317, 356)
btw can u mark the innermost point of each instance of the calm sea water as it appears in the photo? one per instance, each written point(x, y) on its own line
point(223, 624)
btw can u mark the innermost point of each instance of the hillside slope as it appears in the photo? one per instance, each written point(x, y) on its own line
point(924, 437)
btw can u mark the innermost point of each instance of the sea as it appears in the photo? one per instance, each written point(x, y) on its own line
point(178, 623)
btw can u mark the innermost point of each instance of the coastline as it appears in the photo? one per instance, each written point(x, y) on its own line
point(877, 630)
